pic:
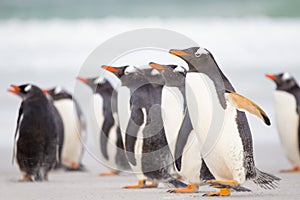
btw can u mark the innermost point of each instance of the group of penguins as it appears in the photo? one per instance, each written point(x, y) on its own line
point(157, 123)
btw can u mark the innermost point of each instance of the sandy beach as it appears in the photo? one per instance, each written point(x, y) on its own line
point(88, 185)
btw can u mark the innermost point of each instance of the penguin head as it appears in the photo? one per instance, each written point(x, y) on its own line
point(174, 75)
point(154, 76)
point(57, 93)
point(283, 81)
point(117, 71)
point(25, 91)
point(198, 58)
point(97, 84)
point(129, 75)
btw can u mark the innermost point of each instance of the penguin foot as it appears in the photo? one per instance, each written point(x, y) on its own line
point(111, 173)
point(293, 170)
point(191, 188)
point(26, 178)
point(222, 184)
point(224, 192)
point(141, 184)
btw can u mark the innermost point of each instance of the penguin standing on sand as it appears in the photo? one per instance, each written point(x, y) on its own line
point(110, 139)
point(181, 138)
point(36, 133)
point(145, 142)
point(287, 109)
point(210, 95)
point(74, 127)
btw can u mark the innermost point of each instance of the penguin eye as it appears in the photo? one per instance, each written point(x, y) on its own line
point(197, 54)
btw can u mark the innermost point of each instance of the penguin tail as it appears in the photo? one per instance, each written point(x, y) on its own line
point(172, 182)
point(266, 181)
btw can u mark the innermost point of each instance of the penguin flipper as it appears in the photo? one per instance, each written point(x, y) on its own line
point(16, 132)
point(244, 104)
point(134, 124)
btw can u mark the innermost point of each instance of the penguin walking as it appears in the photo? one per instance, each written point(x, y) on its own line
point(181, 138)
point(74, 128)
point(214, 105)
point(287, 110)
point(36, 136)
point(110, 139)
point(145, 142)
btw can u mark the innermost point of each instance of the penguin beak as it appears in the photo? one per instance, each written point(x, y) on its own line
point(156, 66)
point(45, 91)
point(84, 80)
point(178, 52)
point(110, 68)
point(271, 76)
point(15, 89)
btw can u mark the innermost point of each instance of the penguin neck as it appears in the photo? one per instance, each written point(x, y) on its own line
point(214, 73)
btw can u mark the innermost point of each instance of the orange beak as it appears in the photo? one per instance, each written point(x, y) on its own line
point(271, 76)
point(84, 80)
point(178, 52)
point(15, 89)
point(156, 66)
point(45, 91)
point(110, 68)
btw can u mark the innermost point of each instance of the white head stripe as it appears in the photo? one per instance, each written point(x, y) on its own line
point(286, 76)
point(179, 69)
point(201, 51)
point(27, 88)
point(130, 69)
point(99, 80)
point(154, 72)
point(57, 90)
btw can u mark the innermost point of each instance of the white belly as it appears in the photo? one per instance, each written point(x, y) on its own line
point(287, 123)
point(172, 114)
point(216, 129)
point(124, 116)
point(191, 160)
point(72, 146)
point(111, 147)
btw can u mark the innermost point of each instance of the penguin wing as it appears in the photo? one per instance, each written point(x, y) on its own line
point(16, 132)
point(244, 104)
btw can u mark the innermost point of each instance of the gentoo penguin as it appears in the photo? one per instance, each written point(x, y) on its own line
point(74, 127)
point(36, 133)
point(179, 131)
point(287, 109)
point(145, 142)
point(214, 109)
point(110, 139)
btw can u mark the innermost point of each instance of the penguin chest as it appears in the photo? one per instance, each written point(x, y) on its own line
point(172, 114)
point(287, 120)
point(216, 129)
point(72, 146)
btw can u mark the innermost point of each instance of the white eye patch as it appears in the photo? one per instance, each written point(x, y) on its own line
point(57, 90)
point(154, 72)
point(201, 51)
point(286, 76)
point(27, 88)
point(99, 80)
point(179, 69)
point(130, 69)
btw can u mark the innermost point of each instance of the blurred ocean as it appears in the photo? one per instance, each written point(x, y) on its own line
point(46, 42)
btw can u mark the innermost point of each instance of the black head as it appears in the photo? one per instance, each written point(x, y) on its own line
point(198, 58)
point(117, 71)
point(26, 91)
point(129, 75)
point(154, 76)
point(97, 84)
point(283, 81)
point(58, 93)
point(174, 75)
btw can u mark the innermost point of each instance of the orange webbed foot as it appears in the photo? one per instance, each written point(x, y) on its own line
point(293, 170)
point(191, 188)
